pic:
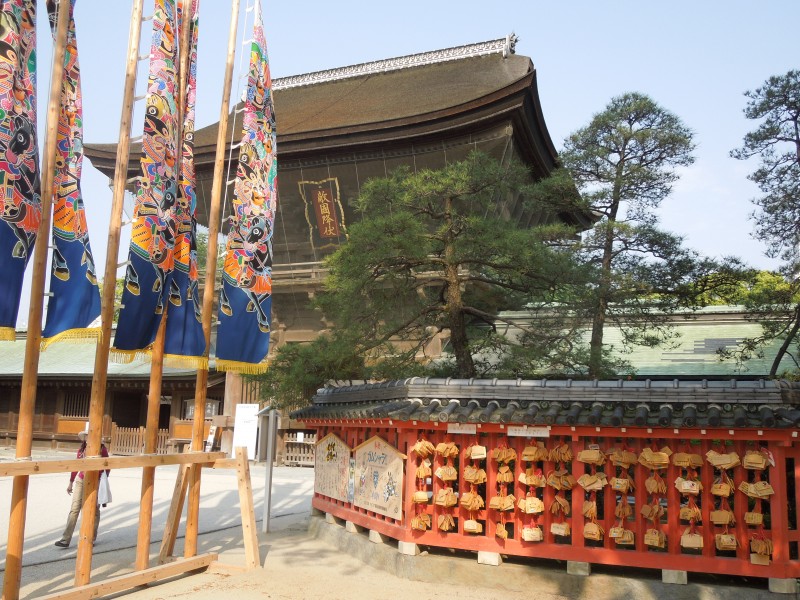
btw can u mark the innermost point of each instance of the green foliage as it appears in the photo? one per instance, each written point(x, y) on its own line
point(447, 262)
point(774, 302)
point(298, 370)
point(431, 259)
point(624, 164)
point(118, 287)
point(776, 141)
point(628, 154)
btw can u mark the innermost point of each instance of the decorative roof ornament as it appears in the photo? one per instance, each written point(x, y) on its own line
point(511, 43)
point(504, 46)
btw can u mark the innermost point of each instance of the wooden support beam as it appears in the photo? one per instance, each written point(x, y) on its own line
point(19, 491)
point(193, 510)
point(83, 562)
point(252, 559)
point(132, 580)
point(41, 467)
point(192, 513)
point(174, 516)
point(150, 442)
point(157, 354)
point(225, 463)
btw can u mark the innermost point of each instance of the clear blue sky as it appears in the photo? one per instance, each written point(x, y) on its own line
point(694, 58)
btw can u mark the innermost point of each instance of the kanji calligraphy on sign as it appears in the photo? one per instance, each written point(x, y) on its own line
point(321, 199)
point(331, 467)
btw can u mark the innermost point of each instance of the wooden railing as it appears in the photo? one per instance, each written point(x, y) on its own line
point(129, 441)
point(300, 449)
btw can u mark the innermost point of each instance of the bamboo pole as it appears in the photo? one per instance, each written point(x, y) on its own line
point(193, 511)
point(83, 563)
point(19, 492)
point(157, 354)
point(150, 441)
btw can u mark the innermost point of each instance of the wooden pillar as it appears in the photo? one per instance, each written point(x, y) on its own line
point(19, 490)
point(157, 355)
point(83, 563)
point(252, 557)
point(150, 442)
point(193, 511)
point(779, 507)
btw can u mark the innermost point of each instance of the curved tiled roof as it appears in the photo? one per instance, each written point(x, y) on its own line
point(618, 403)
point(416, 102)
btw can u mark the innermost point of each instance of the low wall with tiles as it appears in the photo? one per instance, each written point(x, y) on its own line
point(717, 496)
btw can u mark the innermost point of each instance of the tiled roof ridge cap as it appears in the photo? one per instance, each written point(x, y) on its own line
point(554, 384)
point(504, 46)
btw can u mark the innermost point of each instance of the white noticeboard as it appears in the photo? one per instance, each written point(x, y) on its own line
point(245, 428)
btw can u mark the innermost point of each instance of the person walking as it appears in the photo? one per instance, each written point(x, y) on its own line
point(76, 489)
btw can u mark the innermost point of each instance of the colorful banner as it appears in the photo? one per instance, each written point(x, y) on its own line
point(74, 295)
point(151, 258)
point(185, 343)
point(20, 193)
point(245, 298)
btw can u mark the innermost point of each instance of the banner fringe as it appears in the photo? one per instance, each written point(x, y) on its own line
point(242, 367)
point(73, 336)
point(124, 357)
point(180, 361)
point(7, 334)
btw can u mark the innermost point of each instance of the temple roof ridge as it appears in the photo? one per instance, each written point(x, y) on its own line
point(504, 46)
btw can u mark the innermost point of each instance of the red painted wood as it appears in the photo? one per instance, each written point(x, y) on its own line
point(576, 549)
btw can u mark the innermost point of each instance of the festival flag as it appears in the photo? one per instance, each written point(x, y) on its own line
point(185, 343)
point(20, 193)
point(151, 256)
point(75, 297)
point(245, 298)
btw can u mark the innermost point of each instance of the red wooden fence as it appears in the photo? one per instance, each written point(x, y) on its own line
point(779, 510)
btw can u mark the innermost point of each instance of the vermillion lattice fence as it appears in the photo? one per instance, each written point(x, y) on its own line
point(710, 488)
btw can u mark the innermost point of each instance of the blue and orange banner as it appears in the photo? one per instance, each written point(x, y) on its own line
point(20, 193)
point(246, 295)
point(151, 256)
point(75, 297)
point(185, 343)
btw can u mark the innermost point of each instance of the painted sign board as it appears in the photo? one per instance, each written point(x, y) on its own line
point(332, 467)
point(379, 478)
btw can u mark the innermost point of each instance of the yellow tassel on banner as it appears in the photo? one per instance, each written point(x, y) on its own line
point(73, 336)
point(178, 361)
point(242, 367)
point(122, 357)
point(7, 334)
